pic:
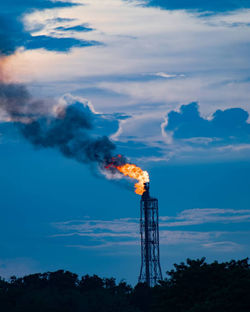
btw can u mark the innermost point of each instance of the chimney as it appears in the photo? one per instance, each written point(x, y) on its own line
point(150, 271)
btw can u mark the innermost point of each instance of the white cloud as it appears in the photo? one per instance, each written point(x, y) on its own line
point(125, 232)
point(199, 58)
point(165, 75)
point(186, 237)
point(178, 42)
point(118, 226)
point(209, 215)
point(225, 246)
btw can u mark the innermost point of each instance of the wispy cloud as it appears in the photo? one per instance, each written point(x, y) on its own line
point(118, 226)
point(124, 232)
point(166, 75)
point(184, 62)
point(209, 215)
point(225, 246)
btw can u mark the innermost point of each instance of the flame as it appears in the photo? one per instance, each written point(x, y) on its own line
point(119, 163)
point(136, 173)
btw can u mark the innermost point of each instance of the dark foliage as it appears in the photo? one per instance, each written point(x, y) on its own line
point(194, 286)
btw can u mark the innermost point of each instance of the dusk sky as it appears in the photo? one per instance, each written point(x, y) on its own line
point(164, 83)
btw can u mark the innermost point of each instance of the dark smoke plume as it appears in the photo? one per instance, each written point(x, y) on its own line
point(17, 103)
point(68, 129)
point(68, 132)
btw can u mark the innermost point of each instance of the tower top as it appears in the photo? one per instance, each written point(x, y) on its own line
point(146, 194)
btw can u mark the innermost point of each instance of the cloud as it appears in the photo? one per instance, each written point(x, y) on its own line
point(164, 75)
point(225, 126)
point(167, 76)
point(182, 43)
point(226, 246)
point(96, 233)
point(167, 238)
point(13, 34)
point(126, 226)
point(186, 62)
point(210, 215)
point(60, 20)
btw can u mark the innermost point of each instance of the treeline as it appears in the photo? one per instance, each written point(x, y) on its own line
point(194, 286)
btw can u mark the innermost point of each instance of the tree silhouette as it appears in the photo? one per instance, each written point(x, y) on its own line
point(194, 286)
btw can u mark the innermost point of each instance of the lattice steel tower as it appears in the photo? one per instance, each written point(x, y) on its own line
point(150, 271)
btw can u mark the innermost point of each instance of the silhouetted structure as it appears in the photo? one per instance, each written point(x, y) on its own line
point(150, 271)
point(194, 286)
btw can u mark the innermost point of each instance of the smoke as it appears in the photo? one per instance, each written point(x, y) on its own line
point(66, 127)
point(16, 103)
point(45, 124)
point(68, 132)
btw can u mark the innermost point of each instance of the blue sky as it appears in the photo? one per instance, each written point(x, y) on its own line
point(201, 5)
point(169, 86)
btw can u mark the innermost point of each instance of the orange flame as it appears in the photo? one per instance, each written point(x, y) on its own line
point(136, 173)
